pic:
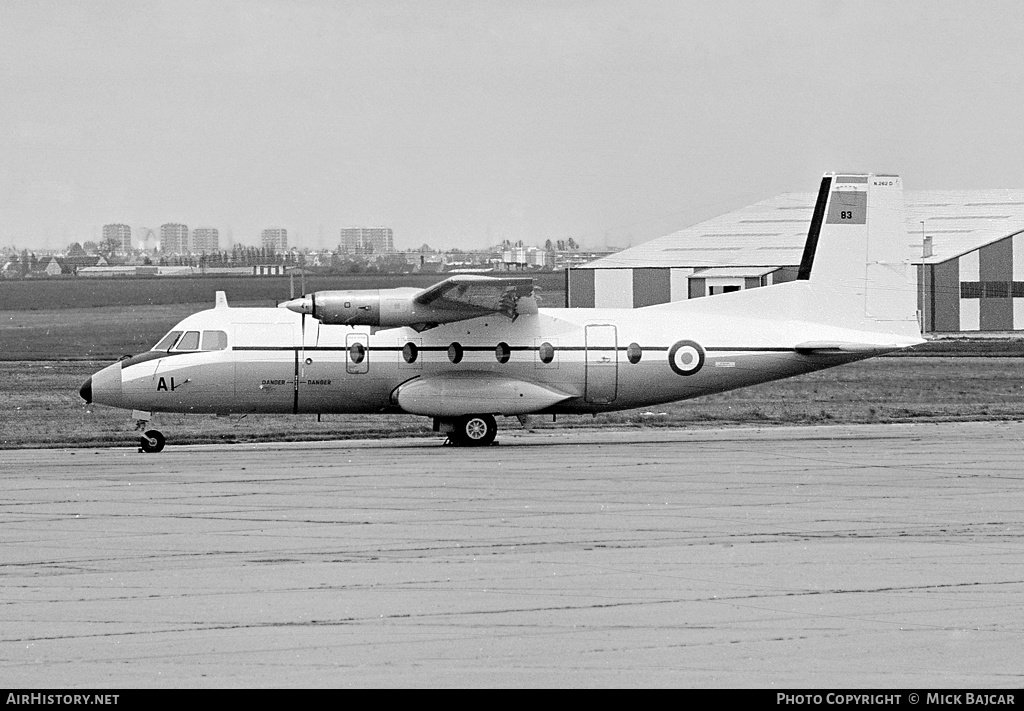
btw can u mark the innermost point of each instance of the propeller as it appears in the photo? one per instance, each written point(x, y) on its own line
point(304, 306)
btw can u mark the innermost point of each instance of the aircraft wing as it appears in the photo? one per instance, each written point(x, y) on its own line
point(474, 295)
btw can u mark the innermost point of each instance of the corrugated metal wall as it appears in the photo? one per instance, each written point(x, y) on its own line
point(982, 290)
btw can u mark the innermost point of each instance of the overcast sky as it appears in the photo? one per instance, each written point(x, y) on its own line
point(465, 123)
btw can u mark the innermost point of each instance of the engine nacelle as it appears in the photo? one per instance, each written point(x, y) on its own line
point(383, 308)
point(457, 298)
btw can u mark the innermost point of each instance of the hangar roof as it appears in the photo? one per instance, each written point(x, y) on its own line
point(772, 232)
point(733, 272)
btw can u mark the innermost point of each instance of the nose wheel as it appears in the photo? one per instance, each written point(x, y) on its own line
point(151, 442)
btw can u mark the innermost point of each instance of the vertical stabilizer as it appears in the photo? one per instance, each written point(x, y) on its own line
point(857, 255)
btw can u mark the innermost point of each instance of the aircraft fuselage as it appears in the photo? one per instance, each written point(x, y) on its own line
point(554, 361)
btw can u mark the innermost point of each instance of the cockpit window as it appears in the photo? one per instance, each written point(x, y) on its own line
point(188, 342)
point(214, 340)
point(211, 341)
point(167, 342)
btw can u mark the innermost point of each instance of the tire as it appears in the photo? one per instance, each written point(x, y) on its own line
point(152, 442)
point(475, 431)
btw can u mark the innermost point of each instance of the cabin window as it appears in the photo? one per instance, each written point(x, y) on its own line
point(214, 340)
point(356, 352)
point(455, 353)
point(167, 342)
point(410, 352)
point(502, 352)
point(634, 353)
point(188, 342)
point(546, 352)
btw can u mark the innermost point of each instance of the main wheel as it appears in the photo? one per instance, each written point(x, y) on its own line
point(475, 431)
point(152, 442)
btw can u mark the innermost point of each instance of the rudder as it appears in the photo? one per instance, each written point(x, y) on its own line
point(857, 250)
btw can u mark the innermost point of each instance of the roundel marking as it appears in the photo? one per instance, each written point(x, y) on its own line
point(686, 357)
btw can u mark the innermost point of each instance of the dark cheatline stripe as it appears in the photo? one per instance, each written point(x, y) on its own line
point(490, 349)
point(750, 349)
point(812, 235)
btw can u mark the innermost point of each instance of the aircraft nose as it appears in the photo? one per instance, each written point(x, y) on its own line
point(104, 387)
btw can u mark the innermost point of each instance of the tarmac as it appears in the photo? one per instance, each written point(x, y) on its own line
point(883, 556)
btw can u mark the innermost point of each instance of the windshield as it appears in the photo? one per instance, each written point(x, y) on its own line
point(167, 341)
point(192, 341)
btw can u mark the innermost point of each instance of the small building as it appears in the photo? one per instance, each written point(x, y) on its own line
point(50, 266)
point(108, 272)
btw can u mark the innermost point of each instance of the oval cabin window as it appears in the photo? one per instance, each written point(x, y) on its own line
point(546, 352)
point(356, 352)
point(410, 352)
point(502, 352)
point(634, 352)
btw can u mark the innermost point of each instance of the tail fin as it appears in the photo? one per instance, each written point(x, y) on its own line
point(857, 251)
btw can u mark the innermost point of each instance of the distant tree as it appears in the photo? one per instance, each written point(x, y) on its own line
point(75, 250)
point(109, 245)
point(572, 244)
point(561, 245)
point(547, 245)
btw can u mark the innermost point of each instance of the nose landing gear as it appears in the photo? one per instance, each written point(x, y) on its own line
point(151, 442)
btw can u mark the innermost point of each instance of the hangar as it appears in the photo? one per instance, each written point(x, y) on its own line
point(967, 247)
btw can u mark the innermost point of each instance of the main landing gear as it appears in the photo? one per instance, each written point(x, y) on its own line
point(468, 430)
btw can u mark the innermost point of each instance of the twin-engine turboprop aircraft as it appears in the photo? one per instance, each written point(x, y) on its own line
point(472, 347)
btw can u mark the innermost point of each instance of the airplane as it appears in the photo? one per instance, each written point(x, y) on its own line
point(472, 348)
